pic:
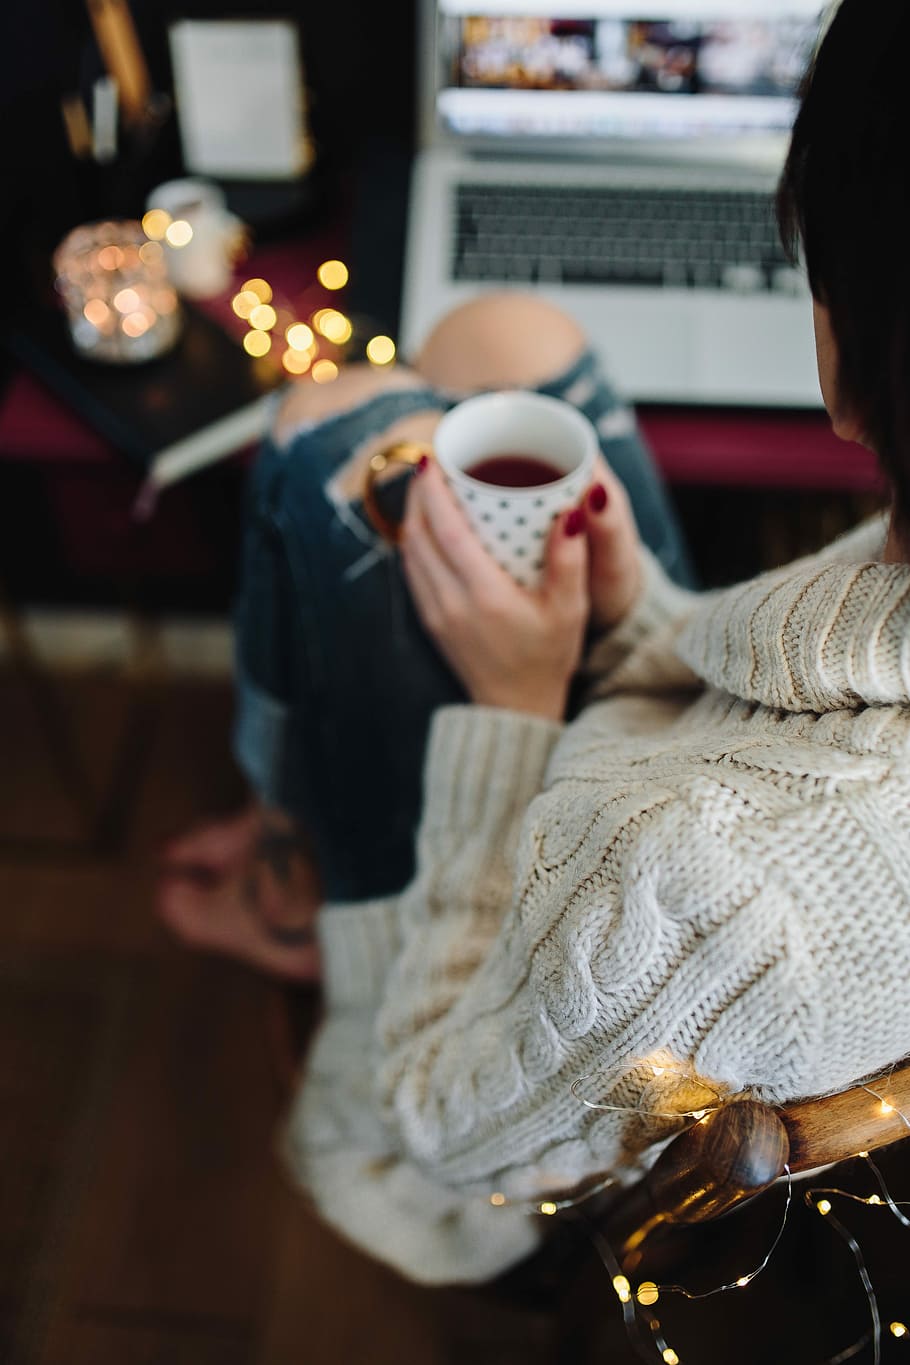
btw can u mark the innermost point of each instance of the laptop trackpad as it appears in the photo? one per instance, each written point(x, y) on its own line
point(755, 350)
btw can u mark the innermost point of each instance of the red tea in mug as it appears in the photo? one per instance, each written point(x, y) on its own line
point(514, 470)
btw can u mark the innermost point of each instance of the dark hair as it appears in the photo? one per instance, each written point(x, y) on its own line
point(845, 199)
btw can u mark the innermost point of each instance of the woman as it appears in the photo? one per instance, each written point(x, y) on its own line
point(699, 886)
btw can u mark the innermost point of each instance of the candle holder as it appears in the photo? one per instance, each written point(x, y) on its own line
point(120, 303)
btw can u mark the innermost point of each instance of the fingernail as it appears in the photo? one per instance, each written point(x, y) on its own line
point(575, 522)
point(422, 464)
point(597, 498)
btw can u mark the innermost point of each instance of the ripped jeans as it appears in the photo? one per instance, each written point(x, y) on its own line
point(336, 680)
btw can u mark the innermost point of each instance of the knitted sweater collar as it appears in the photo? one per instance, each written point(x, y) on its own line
point(814, 637)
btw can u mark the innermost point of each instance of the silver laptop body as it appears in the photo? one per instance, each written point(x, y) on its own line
point(531, 116)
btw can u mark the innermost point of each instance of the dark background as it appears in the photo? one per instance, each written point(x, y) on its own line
point(359, 63)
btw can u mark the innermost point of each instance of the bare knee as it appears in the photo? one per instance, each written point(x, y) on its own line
point(307, 402)
point(498, 341)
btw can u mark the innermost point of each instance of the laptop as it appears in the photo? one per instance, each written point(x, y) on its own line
point(623, 167)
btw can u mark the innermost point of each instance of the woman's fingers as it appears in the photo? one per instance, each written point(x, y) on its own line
point(456, 541)
point(565, 582)
point(436, 589)
point(615, 562)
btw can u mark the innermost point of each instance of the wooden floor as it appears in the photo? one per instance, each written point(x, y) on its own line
point(143, 1217)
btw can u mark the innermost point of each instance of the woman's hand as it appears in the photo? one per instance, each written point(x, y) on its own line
point(510, 647)
point(614, 550)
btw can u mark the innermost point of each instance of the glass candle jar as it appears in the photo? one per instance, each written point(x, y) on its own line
point(120, 303)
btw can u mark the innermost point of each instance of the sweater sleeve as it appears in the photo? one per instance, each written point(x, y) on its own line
point(660, 605)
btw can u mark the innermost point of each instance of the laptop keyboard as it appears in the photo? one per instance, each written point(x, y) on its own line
point(675, 238)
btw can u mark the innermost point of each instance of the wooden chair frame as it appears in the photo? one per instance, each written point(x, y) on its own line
point(741, 1148)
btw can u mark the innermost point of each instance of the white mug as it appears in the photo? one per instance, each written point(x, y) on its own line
point(202, 267)
point(512, 523)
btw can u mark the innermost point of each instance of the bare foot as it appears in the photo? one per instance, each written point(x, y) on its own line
point(245, 887)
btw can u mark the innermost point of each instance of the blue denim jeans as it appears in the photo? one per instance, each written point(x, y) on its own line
point(336, 680)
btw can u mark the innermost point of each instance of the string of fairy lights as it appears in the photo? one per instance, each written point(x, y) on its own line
point(636, 1303)
point(312, 346)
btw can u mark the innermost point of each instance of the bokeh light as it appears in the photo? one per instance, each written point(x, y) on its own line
point(324, 371)
point(110, 258)
point(127, 301)
point(244, 303)
point(380, 350)
point(261, 288)
point(300, 337)
point(332, 274)
point(296, 362)
point(135, 324)
point(179, 233)
point(263, 317)
point(155, 224)
point(150, 253)
point(257, 343)
point(97, 312)
point(333, 325)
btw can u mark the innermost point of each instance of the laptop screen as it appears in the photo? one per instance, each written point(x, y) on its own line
point(532, 68)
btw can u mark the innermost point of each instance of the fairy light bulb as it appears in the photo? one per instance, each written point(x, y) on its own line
point(824, 1206)
point(179, 233)
point(647, 1293)
point(244, 303)
point(743, 1281)
point(299, 337)
point(898, 1329)
point(257, 343)
point(261, 288)
point(886, 1108)
point(497, 1200)
point(333, 325)
point(325, 371)
point(874, 1199)
point(548, 1208)
point(670, 1356)
point(155, 224)
point(126, 301)
point(380, 350)
point(97, 313)
point(332, 274)
point(263, 317)
point(295, 362)
point(623, 1288)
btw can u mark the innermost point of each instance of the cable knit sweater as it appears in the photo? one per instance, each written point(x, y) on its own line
point(707, 872)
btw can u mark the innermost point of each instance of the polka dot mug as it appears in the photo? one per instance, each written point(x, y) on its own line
point(475, 442)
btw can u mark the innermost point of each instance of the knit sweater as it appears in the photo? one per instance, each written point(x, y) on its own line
point(699, 887)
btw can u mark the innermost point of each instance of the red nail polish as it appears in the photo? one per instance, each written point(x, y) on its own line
point(597, 498)
point(575, 522)
point(422, 464)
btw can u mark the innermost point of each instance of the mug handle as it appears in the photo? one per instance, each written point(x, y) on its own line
point(405, 452)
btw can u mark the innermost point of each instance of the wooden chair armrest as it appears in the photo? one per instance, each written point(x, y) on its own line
point(835, 1127)
point(730, 1155)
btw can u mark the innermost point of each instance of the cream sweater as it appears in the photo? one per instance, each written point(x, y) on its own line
point(707, 872)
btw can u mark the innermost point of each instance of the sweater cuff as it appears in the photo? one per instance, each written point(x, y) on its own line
point(359, 944)
point(484, 766)
point(659, 603)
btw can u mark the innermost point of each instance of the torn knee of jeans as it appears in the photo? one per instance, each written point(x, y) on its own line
point(306, 406)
